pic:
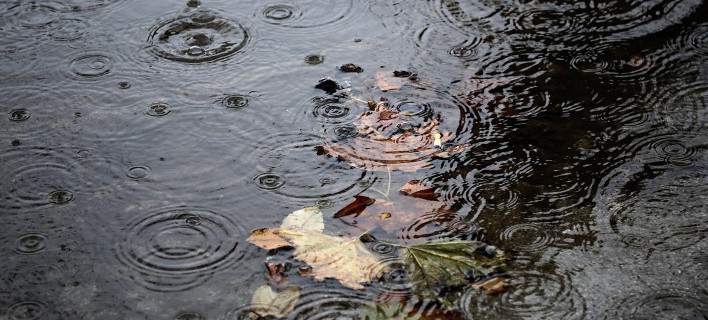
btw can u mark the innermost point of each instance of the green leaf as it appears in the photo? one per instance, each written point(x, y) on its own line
point(447, 264)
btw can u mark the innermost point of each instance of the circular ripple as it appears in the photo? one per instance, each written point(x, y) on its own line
point(306, 15)
point(330, 111)
point(665, 215)
point(200, 37)
point(391, 277)
point(176, 248)
point(321, 304)
point(269, 181)
point(158, 109)
point(234, 101)
point(38, 113)
point(69, 29)
point(546, 22)
point(92, 65)
point(527, 237)
point(534, 296)
point(698, 39)
point(26, 276)
point(684, 109)
point(18, 115)
point(36, 178)
point(662, 303)
point(674, 152)
point(590, 63)
point(292, 169)
point(138, 172)
point(31, 243)
point(27, 310)
point(435, 226)
point(280, 12)
point(190, 316)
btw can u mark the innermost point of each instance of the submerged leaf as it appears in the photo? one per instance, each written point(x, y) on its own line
point(447, 263)
point(344, 259)
point(306, 219)
point(417, 189)
point(267, 302)
point(492, 286)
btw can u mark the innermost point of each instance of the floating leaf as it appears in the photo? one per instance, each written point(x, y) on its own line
point(268, 239)
point(355, 208)
point(306, 219)
point(267, 302)
point(447, 263)
point(345, 259)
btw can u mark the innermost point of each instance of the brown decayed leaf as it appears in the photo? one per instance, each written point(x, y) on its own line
point(492, 286)
point(417, 189)
point(356, 207)
point(395, 215)
point(345, 259)
point(382, 144)
point(268, 239)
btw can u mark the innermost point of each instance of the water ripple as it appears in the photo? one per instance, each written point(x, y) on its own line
point(175, 248)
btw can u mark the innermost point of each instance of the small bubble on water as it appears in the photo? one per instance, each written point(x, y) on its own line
point(195, 51)
point(189, 316)
point(60, 196)
point(314, 59)
point(269, 181)
point(31, 243)
point(138, 172)
point(158, 110)
point(235, 101)
point(18, 115)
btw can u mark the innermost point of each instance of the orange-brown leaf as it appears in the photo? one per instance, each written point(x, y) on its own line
point(355, 208)
point(417, 189)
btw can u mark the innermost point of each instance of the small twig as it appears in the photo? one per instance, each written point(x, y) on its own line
point(388, 186)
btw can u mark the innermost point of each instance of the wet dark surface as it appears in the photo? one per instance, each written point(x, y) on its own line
point(144, 140)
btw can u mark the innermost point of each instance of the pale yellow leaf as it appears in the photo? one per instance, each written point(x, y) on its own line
point(268, 302)
point(344, 259)
point(268, 239)
point(306, 219)
point(386, 82)
point(438, 138)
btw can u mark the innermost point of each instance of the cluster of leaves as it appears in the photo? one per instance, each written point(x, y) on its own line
point(386, 139)
point(431, 266)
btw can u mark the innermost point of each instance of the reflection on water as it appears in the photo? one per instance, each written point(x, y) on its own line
point(143, 140)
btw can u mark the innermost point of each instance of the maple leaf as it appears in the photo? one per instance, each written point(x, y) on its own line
point(345, 259)
point(447, 264)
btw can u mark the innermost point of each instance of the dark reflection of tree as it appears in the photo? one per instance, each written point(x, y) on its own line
point(555, 131)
